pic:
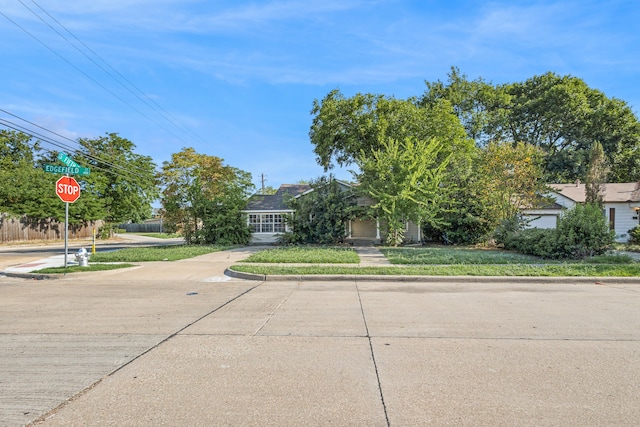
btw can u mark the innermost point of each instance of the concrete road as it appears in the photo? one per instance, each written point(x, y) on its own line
point(180, 344)
point(22, 253)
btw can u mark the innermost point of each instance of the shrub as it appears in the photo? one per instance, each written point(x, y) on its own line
point(634, 235)
point(581, 232)
point(507, 231)
point(290, 239)
point(533, 241)
point(320, 215)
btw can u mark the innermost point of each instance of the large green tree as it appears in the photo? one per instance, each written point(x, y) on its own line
point(565, 117)
point(203, 198)
point(473, 102)
point(344, 129)
point(403, 178)
point(124, 181)
point(510, 179)
point(359, 129)
point(560, 114)
point(28, 190)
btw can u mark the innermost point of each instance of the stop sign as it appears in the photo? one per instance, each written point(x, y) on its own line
point(68, 189)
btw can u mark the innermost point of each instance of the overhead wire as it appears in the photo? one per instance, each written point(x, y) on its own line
point(91, 78)
point(60, 136)
point(114, 168)
point(128, 86)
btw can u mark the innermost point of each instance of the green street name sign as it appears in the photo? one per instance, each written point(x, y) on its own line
point(71, 170)
point(67, 160)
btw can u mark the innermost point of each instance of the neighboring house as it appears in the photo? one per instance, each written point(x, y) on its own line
point(266, 214)
point(621, 206)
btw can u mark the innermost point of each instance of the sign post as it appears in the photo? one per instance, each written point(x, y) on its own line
point(68, 190)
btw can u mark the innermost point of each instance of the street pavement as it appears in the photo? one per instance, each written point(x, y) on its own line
point(181, 343)
point(25, 259)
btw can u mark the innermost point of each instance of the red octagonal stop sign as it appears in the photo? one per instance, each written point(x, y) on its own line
point(68, 189)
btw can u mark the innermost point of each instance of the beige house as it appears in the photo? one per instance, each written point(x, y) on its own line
point(266, 214)
point(621, 206)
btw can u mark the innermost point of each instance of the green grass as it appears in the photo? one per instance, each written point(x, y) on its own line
point(158, 235)
point(78, 269)
point(158, 253)
point(311, 255)
point(454, 255)
point(554, 270)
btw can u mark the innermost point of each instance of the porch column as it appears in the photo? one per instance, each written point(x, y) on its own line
point(377, 228)
point(349, 225)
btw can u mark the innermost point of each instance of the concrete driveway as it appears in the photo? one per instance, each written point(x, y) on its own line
point(181, 344)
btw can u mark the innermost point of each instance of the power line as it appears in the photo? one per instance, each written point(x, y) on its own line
point(140, 95)
point(115, 168)
point(91, 78)
point(129, 174)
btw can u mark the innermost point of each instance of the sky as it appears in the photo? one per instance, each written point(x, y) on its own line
point(237, 79)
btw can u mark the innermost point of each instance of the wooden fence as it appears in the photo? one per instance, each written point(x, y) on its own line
point(24, 229)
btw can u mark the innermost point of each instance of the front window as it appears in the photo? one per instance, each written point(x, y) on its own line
point(267, 223)
point(254, 223)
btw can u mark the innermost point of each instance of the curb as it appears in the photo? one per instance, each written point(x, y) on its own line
point(434, 279)
point(245, 276)
point(34, 276)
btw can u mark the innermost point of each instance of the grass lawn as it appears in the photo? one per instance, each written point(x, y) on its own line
point(78, 269)
point(158, 235)
point(446, 261)
point(553, 270)
point(455, 255)
point(303, 254)
point(157, 253)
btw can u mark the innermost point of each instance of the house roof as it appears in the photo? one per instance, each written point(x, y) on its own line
point(277, 201)
point(613, 192)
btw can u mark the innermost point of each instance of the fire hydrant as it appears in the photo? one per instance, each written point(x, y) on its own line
point(82, 257)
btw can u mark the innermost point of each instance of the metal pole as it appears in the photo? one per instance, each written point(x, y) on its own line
point(66, 233)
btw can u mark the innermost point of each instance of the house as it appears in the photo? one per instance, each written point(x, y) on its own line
point(266, 213)
point(266, 216)
point(621, 206)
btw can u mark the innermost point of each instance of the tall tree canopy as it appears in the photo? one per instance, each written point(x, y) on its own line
point(509, 179)
point(561, 115)
point(203, 198)
point(375, 132)
point(28, 190)
point(123, 180)
point(344, 128)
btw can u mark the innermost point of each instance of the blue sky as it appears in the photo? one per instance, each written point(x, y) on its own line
point(241, 76)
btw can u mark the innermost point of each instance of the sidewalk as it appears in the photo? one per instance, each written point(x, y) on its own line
point(31, 267)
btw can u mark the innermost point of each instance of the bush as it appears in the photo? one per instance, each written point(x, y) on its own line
point(581, 232)
point(634, 235)
point(508, 231)
point(107, 231)
point(290, 239)
point(532, 241)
